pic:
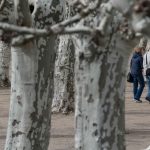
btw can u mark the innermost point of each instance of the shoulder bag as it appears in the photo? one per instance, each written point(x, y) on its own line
point(148, 69)
point(129, 75)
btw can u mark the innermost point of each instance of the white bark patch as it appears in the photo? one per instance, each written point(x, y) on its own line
point(22, 99)
point(124, 6)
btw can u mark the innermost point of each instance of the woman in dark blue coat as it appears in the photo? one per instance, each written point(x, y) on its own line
point(136, 71)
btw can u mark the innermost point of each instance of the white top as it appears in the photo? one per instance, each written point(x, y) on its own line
point(145, 66)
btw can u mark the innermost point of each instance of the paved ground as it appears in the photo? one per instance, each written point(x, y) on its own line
point(62, 126)
point(137, 124)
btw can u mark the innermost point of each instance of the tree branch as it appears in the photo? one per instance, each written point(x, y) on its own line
point(45, 32)
point(2, 4)
point(82, 14)
point(22, 39)
point(59, 28)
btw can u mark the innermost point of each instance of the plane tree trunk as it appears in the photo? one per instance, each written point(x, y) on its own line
point(63, 100)
point(64, 77)
point(32, 79)
point(4, 64)
point(100, 73)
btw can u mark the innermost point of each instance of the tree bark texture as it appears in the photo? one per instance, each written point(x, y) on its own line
point(6, 15)
point(101, 61)
point(4, 64)
point(63, 100)
point(100, 72)
point(32, 81)
point(64, 76)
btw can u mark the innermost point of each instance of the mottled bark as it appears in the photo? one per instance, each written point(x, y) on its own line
point(32, 80)
point(7, 16)
point(4, 64)
point(19, 120)
point(100, 85)
point(101, 60)
point(22, 97)
point(7, 13)
point(63, 100)
point(47, 13)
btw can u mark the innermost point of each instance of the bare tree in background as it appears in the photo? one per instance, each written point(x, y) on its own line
point(63, 100)
point(6, 15)
point(4, 64)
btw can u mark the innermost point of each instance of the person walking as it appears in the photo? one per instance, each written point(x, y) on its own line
point(146, 65)
point(136, 66)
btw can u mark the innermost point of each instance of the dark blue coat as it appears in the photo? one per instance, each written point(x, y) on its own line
point(136, 64)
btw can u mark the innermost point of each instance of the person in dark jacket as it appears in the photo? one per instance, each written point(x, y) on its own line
point(136, 65)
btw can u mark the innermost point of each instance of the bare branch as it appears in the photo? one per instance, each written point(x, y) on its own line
point(108, 9)
point(59, 28)
point(22, 39)
point(82, 14)
point(45, 32)
point(23, 30)
point(2, 4)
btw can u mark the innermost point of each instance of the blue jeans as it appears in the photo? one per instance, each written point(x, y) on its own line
point(148, 84)
point(138, 86)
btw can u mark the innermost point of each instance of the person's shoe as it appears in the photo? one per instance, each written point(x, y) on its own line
point(137, 101)
point(148, 99)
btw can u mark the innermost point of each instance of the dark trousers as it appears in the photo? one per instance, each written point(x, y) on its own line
point(148, 84)
point(138, 86)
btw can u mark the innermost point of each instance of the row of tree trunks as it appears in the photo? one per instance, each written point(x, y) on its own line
point(32, 79)
point(100, 71)
point(100, 87)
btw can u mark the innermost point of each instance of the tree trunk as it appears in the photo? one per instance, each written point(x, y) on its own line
point(32, 81)
point(64, 77)
point(101, 61)
point(63, 100)
point(22, 98)
point(100, 84)
point(4, 64)
point(6, 15)
point(100, 87)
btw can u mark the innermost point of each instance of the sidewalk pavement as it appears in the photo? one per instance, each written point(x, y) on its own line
point(137, 117)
